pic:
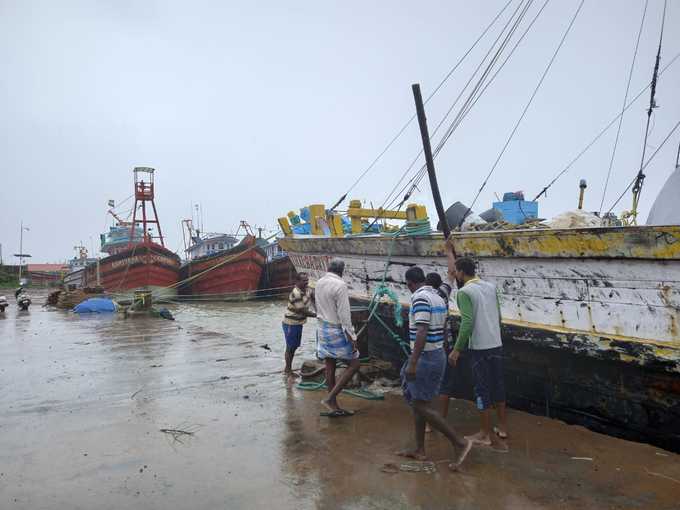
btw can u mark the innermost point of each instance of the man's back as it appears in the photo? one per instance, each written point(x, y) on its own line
point(332, 302)
point(483, 296)
point(327, 290)
point(428, 307)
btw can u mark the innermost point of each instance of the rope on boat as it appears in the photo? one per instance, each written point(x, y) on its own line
point(410, 229)
point(412, 118)
point(220, 264)
point(202, 273)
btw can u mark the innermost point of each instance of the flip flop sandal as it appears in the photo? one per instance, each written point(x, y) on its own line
point(346, 412)
point(338, 413)
point(500, 433)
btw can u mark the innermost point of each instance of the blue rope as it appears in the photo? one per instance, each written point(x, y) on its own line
point(410, 229)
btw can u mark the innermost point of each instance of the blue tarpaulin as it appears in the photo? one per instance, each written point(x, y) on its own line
point(95, 305)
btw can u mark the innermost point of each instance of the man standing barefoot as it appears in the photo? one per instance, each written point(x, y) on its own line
point(300, 300)
point(336, 339)
point(423, 371)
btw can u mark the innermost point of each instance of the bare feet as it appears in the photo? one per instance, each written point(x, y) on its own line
point(412, 454)
point(500, 432)
point(462, 454)
point(291, 375)
point(499, 446)
point(480, 438)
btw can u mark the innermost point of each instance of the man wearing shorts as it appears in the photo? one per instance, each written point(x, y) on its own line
point(300, 300)
point(479, 336)
point(447, 386)
point(422, 373)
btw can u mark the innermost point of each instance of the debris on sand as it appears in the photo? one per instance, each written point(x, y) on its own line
point(177, 434)
point(409, 467)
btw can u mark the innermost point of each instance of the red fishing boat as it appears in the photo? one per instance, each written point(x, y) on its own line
point(221, 268)
point(136, 260)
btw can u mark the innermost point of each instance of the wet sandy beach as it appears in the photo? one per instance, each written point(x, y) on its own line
point(84, 400)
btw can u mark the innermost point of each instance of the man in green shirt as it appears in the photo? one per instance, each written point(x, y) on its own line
point(479, 335)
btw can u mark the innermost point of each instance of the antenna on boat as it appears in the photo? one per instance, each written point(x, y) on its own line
point(144, 192)
point(677, 158)
point(582, 186)
point(427, 149)
point(639, 180)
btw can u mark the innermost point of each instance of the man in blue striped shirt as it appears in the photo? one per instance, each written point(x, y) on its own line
point(422, 373)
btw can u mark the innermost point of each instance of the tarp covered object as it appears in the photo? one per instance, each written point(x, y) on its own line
point(665, 210)
point(575, 219)
point(95, 305)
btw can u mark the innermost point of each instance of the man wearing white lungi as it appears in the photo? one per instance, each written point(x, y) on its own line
point(336, 339)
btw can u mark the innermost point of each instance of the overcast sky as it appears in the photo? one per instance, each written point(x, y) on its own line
point(256, 108)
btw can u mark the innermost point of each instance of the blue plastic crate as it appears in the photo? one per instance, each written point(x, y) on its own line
point(517, 211)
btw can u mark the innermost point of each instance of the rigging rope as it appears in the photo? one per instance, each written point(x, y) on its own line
point(526, 108)
point(220, 264)
point(478, 86)
point(422, 172)
point(625, 99)
point(639, 179)
point(408, 123)
point(412, 184)
point(602, 132)
point(644, 166)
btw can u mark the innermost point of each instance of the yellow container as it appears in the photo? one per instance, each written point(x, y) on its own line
point(285, 226)
point(317, 211)
point(416, 212)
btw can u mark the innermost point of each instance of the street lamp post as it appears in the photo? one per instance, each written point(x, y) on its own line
point(21, 248)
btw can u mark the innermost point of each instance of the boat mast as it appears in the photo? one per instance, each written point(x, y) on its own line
point(639, 180)
point(429, 161)
point(144, 192)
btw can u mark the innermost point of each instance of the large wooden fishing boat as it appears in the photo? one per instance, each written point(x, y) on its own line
point(219, 267)
point(590, 314)
point(228, 274)
point(136, 260)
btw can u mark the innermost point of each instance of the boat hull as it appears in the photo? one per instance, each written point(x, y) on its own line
point(144, 266)
point(278, 277)
point(589, 315)
point(232, 275)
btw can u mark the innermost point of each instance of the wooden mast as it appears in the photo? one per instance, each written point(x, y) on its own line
point(427, 149)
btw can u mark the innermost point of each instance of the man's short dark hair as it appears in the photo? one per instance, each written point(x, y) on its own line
point(301, 275)
point(415, 275)
point(466, 265)
point(433, 280)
